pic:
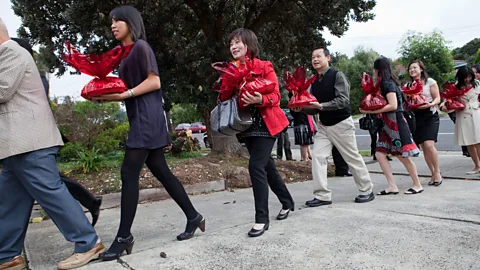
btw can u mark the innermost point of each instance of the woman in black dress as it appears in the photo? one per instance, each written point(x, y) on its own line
point(395, 137)
point(148, 133)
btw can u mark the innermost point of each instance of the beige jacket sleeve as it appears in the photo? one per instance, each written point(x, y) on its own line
point(12, 72)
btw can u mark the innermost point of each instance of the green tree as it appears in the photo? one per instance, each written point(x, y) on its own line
point(185, 113)
point(432, 49)
point(187, 36)
point(477, 58)
point(467, 52)
point(353, 68)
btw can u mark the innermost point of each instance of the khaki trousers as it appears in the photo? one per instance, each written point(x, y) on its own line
point(342, 135)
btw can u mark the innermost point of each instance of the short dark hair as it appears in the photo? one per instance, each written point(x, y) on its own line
point(384, 68)
point(249, 38)
point(133, 18)
point(462, 74)
point(24, 44)
point(424, 75)
point(326, 52)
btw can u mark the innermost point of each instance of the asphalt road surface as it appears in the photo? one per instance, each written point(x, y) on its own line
point(445, 137)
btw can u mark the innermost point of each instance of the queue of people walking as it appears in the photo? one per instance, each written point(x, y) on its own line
point(32, 140)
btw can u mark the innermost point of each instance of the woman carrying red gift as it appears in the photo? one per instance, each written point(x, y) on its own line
point(148, 133)
point(268, 121)
point(467, 124)
point(427, 121)
point(395, 137)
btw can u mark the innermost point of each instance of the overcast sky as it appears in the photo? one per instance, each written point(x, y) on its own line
point(458, 20)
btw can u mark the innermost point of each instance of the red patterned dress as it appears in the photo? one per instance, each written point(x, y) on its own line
point(395, 137)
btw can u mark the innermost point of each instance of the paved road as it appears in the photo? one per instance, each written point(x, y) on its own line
point(445, 137)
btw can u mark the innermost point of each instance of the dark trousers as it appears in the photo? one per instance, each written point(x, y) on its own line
point(453, 118)
point(263, 173)
point(283, 142)
point(341, 166)
point(373, 142)
point(79, 193)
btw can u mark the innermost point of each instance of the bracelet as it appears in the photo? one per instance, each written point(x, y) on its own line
point(130, 91)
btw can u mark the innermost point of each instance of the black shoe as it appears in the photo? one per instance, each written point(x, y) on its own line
point(343, 174)
point(95, 211)
point(256, 233)
point(389, 158)
point(365, 198)
point(316, 202)
point(192, 226)
point(281, 216)
point(117, 248)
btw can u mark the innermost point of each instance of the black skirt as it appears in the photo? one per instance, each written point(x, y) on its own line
point(303, 135)
point(427, 125)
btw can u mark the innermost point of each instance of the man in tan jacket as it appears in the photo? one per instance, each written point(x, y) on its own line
point(29, 142)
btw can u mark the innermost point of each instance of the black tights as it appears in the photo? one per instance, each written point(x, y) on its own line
point(130, 173)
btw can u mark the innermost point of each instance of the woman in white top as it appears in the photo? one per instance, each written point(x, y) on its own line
point(427, 120)
point(467, 125)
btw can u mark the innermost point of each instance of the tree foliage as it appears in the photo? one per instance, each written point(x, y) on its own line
point(432, 49)
point(187, 36)
point(467, 52)
point(353, 68)
point(477, 57)
point(185, 113)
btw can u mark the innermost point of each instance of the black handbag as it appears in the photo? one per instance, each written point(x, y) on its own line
point(373, 124)
point(410, 117)
point(365, 123)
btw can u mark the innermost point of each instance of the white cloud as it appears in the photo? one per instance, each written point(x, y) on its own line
point(457, 19)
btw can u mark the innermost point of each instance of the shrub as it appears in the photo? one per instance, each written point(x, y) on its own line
point(181, 143)
point(90, 160)
point(70, 151)
point(120, 132)
point(106, 144)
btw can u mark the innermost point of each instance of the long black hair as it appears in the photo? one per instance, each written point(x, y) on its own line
point(133, 18)
point(462, 74)
point(384, 68)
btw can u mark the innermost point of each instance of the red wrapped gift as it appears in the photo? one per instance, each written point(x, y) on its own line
point(298, 85)
point(241, 79)
point(413, 95)
point(452, 95)
point(98, 66)
point(373, 100)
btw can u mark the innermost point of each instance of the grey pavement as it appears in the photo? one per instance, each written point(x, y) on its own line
point(437, 229)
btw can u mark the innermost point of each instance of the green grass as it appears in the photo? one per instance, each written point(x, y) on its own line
point(357, 116)
point(365, 153)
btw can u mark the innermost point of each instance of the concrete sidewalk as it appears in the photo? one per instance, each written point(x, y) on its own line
point(438, 229)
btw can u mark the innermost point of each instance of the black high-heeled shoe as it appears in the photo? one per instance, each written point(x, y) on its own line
point(281, 216)
point(192, 226)
point(117, 248)
point(255, 233)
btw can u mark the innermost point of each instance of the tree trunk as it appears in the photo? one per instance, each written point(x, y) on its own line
point(222, 144)
point(169, 121)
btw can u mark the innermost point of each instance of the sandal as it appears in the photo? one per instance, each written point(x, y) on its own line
point(384, 192)
point(438, 183)
point(411, 191)
point(431, 183)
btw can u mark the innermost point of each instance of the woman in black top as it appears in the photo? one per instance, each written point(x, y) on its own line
point(395, 137)
point(148, 133)
point(302, 132)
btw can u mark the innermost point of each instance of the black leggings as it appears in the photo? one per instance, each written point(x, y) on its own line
point(130, 173)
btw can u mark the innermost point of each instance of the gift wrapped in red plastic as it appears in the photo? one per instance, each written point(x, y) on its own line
point(373, 100)
point(413, 95)
point(298, 84)
point(452, 95)
point(241, 80)
point(98, 66)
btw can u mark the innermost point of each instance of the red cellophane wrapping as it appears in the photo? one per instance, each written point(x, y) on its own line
point(241, 80)
point(413, 95)
point(298, 85)
point(98, 66)
point(373, 100)
point(452, 95)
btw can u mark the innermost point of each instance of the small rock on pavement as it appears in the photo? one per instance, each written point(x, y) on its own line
point(163, 254)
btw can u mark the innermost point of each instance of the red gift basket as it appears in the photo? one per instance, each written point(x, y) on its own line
point(413, 95)
point(98, 66)
point(373, 100)
point(298, 85)
point(241, 79)
point(452, 95)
